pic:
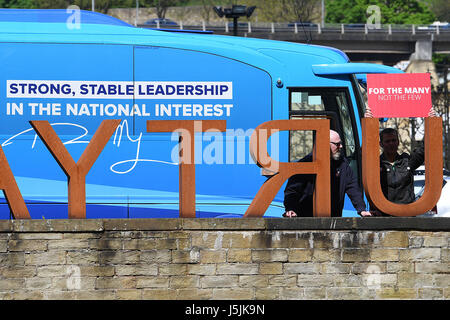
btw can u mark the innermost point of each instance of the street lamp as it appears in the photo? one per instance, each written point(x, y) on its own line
point(234, 12)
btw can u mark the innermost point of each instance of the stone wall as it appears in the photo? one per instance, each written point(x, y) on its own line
point(304, 258)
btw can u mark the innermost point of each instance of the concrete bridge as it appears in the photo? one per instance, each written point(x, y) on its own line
point(387, 44)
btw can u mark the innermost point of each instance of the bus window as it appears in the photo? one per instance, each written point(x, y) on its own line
point(300, 142)
point(331, 103)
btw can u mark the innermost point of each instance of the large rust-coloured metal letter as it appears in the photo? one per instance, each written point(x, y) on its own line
point(76, 171)
point(187, 130)
point(11, 190)
point(433, 166)
point(284, 170)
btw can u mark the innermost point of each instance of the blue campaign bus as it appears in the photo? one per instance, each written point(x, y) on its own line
point(78, 68)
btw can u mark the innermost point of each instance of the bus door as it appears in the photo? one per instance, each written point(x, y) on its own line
point(331, 103)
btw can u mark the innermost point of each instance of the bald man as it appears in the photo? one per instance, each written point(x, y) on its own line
point(298, 195)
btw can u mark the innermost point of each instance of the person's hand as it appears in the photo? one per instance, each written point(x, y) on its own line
point(368, 113)
point(373, 213)
point(290, 214)
point(432, 112)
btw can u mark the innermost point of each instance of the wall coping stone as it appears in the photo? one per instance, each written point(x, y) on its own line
point(230, 224)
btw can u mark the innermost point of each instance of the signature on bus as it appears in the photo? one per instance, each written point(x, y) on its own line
point(119, 135)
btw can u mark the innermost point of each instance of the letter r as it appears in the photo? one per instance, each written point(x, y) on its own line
point(319, 166)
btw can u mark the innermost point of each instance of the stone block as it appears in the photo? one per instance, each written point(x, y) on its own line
point(136, 270)
point(105, 244)
point(128, 294)
point(97, 271)
point(355, 255)
point(300, 268)
point(322, 240)
point(286, 239)
point(9, 272)
point(141, 224)
point(414, 280)
point(188, 256)
point(172, 269)
point(188, 281)
point(342, 293)
point(420, 254)
point(384, 254)
point(238, 240)
point(315, 293)
point(436, 240)
point(224, 224)
point(431, 293)
point(125, 282)
point(207, 240)
point(283, 280)
point(399, 293)
point(315, 280)
point(152, 282)
point(394, 239)
point(300, 255)
point(254, 281)
point(194, 294)
point(272, 255)
point(155, 256)
point(68, 244)
point(432, 267)
point(368, 267)
point(11, 284)
point(445, 255)
point(237, 268)
point(271, 268)
point(27, 245)
point(233, 294)
point(118, 257)
point(322, 255)
point(395, 267)
point(442, 280)
point(37, 283)
point(349, 280)
point(159, 294)
point(267, 293)
point(12, 259)
point(52, 271)
point(220, 281)
point(292, 293)
point(82, 257)
point(22, 295)
point(330, 267)
point(213, 256)
point(45, 258)
point(94, 295)
point(3, 245)
point(201, 269)
point(239, 255)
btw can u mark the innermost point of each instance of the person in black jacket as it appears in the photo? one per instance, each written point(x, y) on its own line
point(298, 194)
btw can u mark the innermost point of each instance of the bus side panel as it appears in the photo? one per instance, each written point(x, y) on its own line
point(136, 175)
point(226, 177)
point(28, 72)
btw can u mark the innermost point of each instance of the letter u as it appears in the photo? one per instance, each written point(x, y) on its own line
point(433, 167)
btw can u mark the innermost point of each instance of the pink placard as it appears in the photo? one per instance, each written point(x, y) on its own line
point(399, 95)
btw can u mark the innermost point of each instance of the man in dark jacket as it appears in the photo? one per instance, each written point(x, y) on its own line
point(298, 195)
point(397, 170)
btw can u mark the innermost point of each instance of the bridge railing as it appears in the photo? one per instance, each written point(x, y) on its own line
point(274, 27)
